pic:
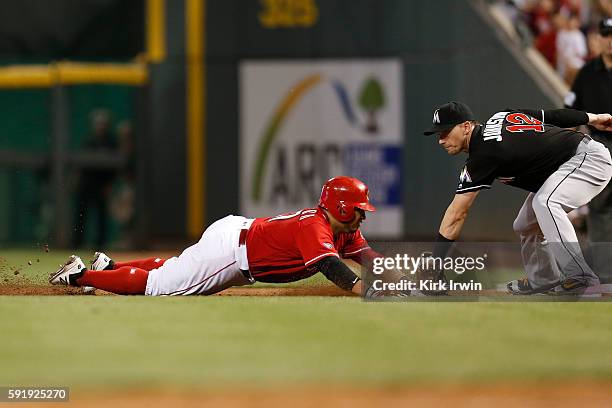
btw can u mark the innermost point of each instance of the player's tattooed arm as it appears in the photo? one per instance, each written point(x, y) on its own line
point(336, 271)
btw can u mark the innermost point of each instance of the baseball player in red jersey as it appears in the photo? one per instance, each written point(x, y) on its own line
point(237, 251)
point(532, 150)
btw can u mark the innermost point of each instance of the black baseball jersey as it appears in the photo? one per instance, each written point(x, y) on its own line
point(519, 148)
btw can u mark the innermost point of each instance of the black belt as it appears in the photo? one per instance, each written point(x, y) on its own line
point(248, 275)
point(242, 237)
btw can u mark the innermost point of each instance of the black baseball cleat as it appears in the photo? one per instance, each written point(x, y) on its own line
point(573, 286)
point(523, 287)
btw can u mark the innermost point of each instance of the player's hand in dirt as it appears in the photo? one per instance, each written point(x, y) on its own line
point(372, 293)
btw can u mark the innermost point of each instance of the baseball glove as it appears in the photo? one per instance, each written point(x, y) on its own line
point(430, 280)
point(372, 293)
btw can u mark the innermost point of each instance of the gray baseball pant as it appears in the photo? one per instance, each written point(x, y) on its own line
point(549, 245)
point(599, 226)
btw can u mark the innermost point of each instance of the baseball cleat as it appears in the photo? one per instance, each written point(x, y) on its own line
point(576, 287)
point(523, 287)
point(68, 273)
point(100, 262)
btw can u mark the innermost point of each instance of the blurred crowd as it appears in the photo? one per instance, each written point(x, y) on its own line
point(564, 31)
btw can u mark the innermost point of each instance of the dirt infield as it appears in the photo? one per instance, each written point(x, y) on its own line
point(37, 290)
point(17, 289)
point(42, 290)
point(575, 394)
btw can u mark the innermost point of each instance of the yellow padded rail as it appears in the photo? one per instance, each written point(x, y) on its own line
point(72, 73)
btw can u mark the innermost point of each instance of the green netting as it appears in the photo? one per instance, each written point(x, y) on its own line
point(26, 118)
point(22, 203)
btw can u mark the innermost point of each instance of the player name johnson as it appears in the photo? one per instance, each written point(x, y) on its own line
point(428, 284)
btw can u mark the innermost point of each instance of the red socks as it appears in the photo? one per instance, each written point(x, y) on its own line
point(124, 280)
point(147, 264)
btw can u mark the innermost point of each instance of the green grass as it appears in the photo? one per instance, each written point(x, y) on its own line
point(138, 341)
point(112, 342)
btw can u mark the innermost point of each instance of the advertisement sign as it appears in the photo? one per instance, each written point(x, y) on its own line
point(303, 122)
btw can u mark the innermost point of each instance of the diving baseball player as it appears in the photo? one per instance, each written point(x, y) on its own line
point(530, 149)
point(236, 251)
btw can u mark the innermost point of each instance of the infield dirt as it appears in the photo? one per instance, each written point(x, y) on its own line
point(41, 290)
point(580, 394)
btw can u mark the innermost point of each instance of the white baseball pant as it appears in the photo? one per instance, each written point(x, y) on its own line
point(216, 262)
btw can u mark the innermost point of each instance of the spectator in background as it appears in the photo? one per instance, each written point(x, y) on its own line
point(594, 44)
point(123, 201)
point(125, 133)
point(95, 184)
point(541, 17)
point(538, 22)
point(592, 91)
point(568, 8)
point(601, 9)
point(544, 24)
point(571, 48)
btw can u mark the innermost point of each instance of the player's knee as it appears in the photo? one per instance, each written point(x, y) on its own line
point(519, 225)
point(540, 204)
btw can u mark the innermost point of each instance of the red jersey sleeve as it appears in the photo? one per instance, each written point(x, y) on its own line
point(315, 241)
point(355, 244)
point(357, 249)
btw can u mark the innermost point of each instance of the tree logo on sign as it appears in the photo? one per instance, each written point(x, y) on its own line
point(372, 99)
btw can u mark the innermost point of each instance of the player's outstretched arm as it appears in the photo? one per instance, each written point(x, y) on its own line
point(569, 118)
point(601, 121)
point(336, 271)
point(455, 215)
point(565, 118)
point(357, 288)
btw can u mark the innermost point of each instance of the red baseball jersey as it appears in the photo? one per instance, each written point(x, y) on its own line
point(281, 248)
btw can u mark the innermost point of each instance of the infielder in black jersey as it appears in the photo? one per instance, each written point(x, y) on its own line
point(530, 149)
